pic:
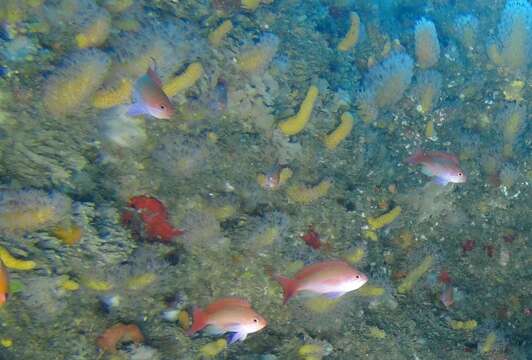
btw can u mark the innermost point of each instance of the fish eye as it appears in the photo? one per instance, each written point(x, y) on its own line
point(162, 107)
point(255, 320)
point(460, 174)
point(357, 276)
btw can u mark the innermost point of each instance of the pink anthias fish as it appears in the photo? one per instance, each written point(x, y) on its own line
point(233, 315)
point(330, 278)
point(149, 97)
point(444, 167)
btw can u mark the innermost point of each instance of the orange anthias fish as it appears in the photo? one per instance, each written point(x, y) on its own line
point(233, 315)
point(444, 167)
point(149, 97)
point(330, 278)
point(4, 284)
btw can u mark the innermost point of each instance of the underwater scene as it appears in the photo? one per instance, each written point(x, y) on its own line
point(265, 179)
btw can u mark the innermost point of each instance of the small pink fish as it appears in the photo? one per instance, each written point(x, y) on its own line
point(330, 278)
point(444, 167)
point(149, 97)
point(233, 315)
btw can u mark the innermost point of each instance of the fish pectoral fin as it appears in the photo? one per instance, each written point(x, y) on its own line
point(236, 336)
point(136, 109)
point(440, 181)
point(334, 295)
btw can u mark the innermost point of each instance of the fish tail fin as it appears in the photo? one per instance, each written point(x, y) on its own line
point(416, 157)
point(289, 287)
point(199, 321)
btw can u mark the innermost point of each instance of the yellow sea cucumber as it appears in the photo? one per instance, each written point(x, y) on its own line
point(69, 285)
point(104, 98)
point(296, 123)
point(412, 277)
point(95, 33)
point(371, 291)
point(141, 281)
point(376, 332)
point(488, 344)
point(250, 5)
point(311, 352)
point(341, 132)
point(256, 58)
point(13, 263)
point(463, 325)
point(383, 220)
point(213, 348)
point(351, 38)
point(97, 285)
point(355, 256)
point(305, 195)
point(218, 35)
point(185, 80)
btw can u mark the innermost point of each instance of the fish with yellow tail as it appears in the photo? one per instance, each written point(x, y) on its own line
point(330, 278)
point(149, 97)
point(232, 315)
point(4, 284)
point(443, 167)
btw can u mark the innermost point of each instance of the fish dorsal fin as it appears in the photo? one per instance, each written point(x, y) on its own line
point(152, 73)
point(221, 303)
point(445, 157)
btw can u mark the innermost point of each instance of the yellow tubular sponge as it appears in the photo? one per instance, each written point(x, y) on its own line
point(412, 277)
point(181, 82)
point(340, 133)
point(218, 35)
point(304, 195)
point(296, 123)
point(351, 38)
point(383, 220)
point(104, 99)
point(13, 263)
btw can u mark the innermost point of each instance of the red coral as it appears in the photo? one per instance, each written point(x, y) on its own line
point(468, 246)
point(148, 219)
point(312, 238)
point(444, 277)
point(490, 250)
